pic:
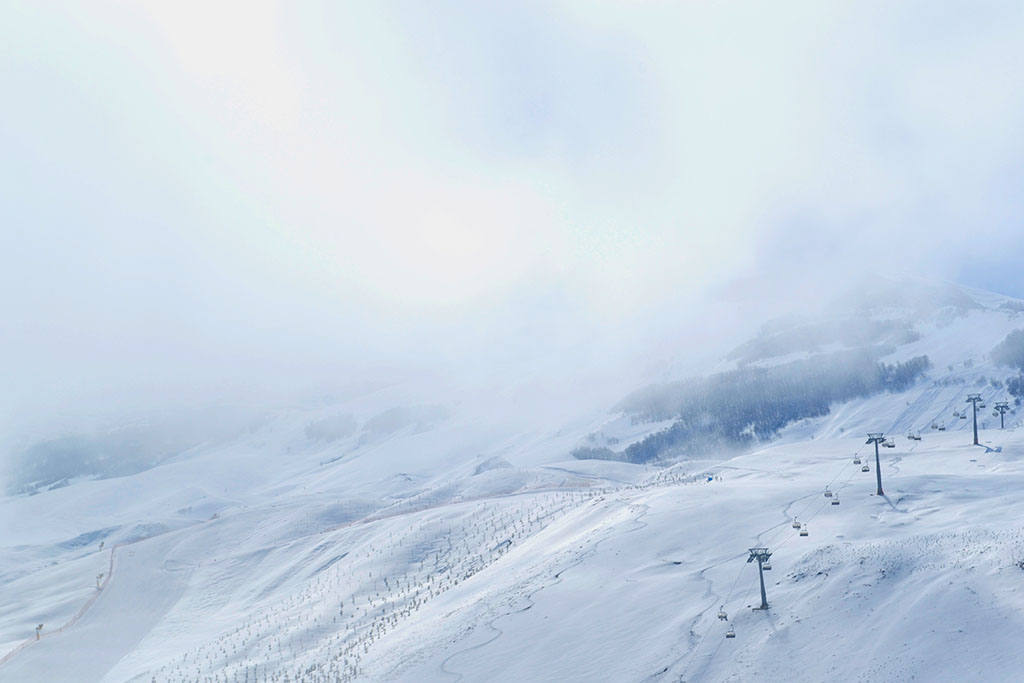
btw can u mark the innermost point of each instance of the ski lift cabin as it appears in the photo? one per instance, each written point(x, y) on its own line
point(865, 468)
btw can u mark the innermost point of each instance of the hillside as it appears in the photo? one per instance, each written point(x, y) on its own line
point(391, 536)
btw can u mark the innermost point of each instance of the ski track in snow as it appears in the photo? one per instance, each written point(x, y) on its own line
point(580, 558)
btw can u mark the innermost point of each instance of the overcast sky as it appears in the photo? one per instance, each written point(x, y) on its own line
point(212, 196)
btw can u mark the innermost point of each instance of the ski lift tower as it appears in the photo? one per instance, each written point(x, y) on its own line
point(1001, 407)
point(975, 399)
point(761, 555)
point(877, 438)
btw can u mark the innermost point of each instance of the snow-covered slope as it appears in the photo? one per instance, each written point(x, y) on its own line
point(410, 540)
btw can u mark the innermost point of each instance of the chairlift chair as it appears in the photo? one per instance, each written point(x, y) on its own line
point(865, 468)
point(856, 460)
point(767, 566)
point(722, 616)
point(803, 530)
point(835, 500)
point(796, 524)
point(942, 428)
point(828, 492)
point(730, 633)
point(964, 416)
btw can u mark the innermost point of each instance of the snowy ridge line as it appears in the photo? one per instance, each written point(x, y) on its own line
point(381, 516)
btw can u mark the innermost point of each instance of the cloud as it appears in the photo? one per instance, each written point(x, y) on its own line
point(269, 193)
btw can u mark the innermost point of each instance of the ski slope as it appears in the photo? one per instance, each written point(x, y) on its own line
point(468, 547)
point(622, 583)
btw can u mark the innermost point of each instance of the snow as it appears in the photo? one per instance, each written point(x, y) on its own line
point(471, 547)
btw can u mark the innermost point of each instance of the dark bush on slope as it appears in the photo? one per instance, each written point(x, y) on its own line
point(733, 409)
point(1015, 386)
point(1010, 351)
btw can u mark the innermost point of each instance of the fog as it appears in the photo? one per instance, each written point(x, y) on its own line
point(256, 202)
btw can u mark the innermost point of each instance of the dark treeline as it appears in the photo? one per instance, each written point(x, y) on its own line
point(53, 463)
point(736, 408)
point(1010, 351)
point(1015, 386)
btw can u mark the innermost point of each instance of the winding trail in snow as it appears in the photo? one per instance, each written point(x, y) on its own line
point(77, 615)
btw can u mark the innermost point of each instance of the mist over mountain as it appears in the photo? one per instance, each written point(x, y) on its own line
point(340, 531)
point(537, 341)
